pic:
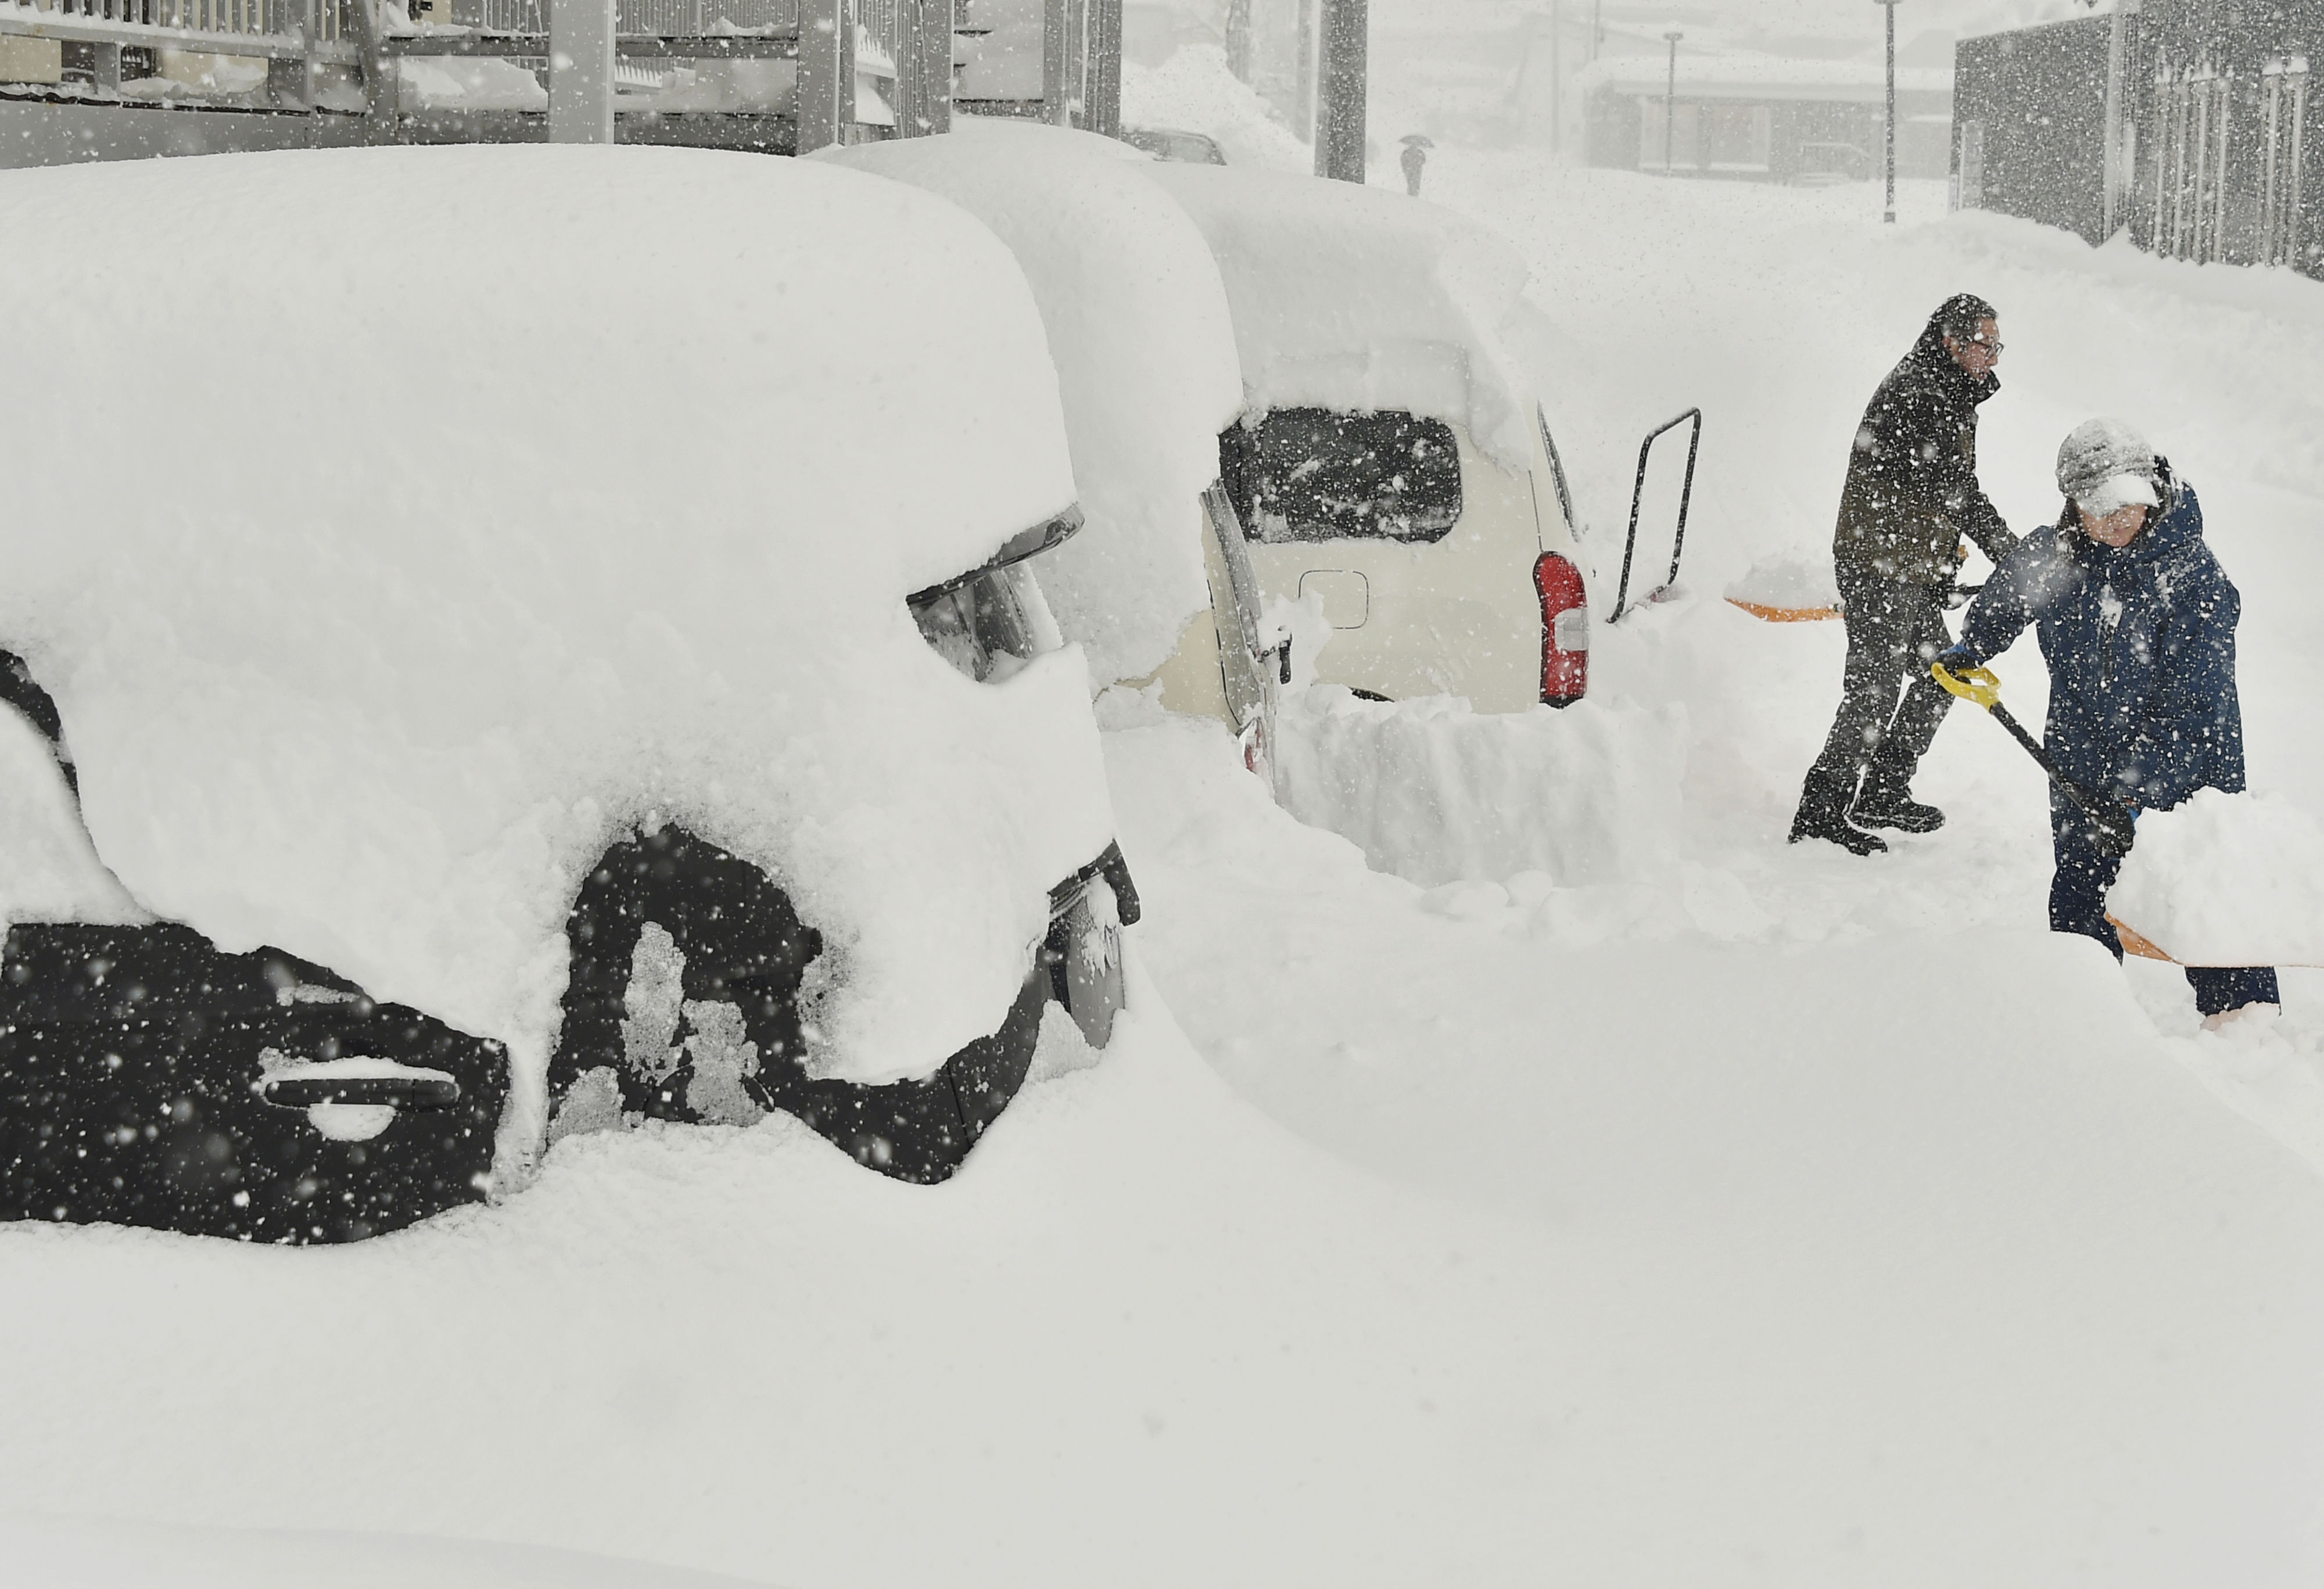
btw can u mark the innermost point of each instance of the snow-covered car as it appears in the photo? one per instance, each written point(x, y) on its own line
point(1141, 331)
point(1387, 460)
point(516, 641)
point(1172, 144)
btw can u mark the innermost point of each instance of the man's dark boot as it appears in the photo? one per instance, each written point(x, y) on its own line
point(1887, 801)
point(1823, 814)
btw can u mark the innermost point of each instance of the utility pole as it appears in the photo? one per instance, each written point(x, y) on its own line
point(1556, 84)
point(1670, 100)
point(1343, 63)
point(1889, 6)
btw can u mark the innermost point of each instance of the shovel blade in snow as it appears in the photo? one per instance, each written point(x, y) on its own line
point(1775, 614)
point(2135, 942)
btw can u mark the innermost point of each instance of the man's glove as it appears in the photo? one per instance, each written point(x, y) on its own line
point(1957, 661)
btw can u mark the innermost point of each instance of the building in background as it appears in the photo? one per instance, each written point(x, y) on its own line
point(2184, 123)
point(1752, 116)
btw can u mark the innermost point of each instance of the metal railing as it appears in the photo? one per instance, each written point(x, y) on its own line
point(282, 26)
point(681, 19)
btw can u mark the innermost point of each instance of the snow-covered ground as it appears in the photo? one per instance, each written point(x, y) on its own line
point(1760, 1216)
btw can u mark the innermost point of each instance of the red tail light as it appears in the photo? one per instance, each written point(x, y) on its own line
point(1565, 630)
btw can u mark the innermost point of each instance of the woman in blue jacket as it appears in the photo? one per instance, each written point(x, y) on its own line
point(2137, 621)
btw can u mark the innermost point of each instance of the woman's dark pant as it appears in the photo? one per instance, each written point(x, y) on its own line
point(2078, 904)
point(1894, 632)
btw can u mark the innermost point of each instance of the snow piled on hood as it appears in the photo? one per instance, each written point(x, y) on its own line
point(397, 527)
point(2226, 879)
point(1145, 354)
point(1353, 298)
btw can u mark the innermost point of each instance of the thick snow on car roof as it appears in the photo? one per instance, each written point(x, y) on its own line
point(1354, 298)
point(397, 527)
point(1139, 328)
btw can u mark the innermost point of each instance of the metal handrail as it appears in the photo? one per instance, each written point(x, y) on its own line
point(271, 28)
point(1638, 493)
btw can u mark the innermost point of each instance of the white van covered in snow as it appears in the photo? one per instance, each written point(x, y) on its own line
point(612, 688)
point(1144, 344)
point(1385, 461)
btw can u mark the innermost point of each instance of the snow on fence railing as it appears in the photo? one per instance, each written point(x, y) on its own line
point(284, 26)
point(668, 19)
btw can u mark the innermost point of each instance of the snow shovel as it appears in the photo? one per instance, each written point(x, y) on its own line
point(2117, 830)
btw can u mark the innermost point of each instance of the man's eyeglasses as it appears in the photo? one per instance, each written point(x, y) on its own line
point(1992, 345)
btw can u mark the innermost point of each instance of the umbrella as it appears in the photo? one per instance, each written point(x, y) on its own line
point(1417, 140)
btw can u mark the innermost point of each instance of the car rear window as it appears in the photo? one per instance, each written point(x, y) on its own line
point(1313, 473)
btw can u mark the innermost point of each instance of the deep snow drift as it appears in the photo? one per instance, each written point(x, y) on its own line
point(2228, 880)
point(1435, 792)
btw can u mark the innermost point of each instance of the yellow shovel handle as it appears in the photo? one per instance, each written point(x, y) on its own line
point(1975, 684)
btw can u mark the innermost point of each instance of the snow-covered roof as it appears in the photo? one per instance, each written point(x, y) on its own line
point(395, 527)
point(1743, 74)
point(1356, 298)
point(1145, 353)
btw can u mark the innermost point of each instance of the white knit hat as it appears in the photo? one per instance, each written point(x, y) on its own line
point(2105, 465)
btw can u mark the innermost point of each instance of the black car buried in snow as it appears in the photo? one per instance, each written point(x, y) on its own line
point(148, 1077)
point(531, 503)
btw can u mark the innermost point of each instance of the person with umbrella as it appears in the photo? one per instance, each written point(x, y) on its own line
point(1414, 157)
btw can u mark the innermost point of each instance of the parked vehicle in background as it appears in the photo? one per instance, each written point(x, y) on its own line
point(575, 718)
point(1827, 165)
point(1139, 329)
point(1388, 463)
point(1171, 144)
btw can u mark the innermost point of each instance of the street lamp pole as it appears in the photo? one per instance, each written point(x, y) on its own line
point(1670, 100)
point(1889, 6)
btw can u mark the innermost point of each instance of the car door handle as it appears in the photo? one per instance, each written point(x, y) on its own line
point(303, 1085)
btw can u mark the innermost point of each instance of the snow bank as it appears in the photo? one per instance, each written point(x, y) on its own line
point(492, 500)
point(2228, 880)
point(1145, 353)
point(48, 871)
point(450, 82)
point(1350, 298)
point(1435, 792)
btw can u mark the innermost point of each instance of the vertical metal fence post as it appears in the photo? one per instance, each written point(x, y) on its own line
point(1104, 91)
point(826, 72)
point(1888, 159)
point(1057, 84)
point(923, 67)
point(1303, 73)
point(1556, 81)
point(581, 71)
point(2225, 94)
point(2273, 247)
point(2294, 197)
point(1670, 102)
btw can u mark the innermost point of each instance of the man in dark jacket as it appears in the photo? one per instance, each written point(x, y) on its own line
point(1912, 494)
point(2137, 621)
